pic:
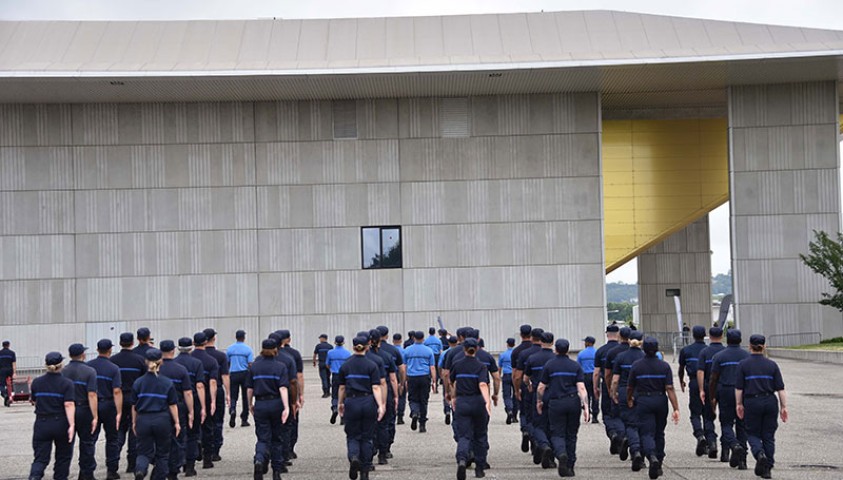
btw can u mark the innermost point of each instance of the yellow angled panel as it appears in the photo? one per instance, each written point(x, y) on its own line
point(658, 177)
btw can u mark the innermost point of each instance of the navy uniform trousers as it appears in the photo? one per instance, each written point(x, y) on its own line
point(237, 380)
point(507, 392)
point(194, 434)
point(325, 376)
point(652, 420)
point(335, 392)
point(155, 431)
point(629, 417)
point(594, 407)
point(386, 426)
point(402, 401)
point(107, 413)
point(178, 444)
point(126, 435)
point(208, 430)
point(51, 430)
point(527, 406)
point(472, 428)
point(418, 393)
point(731, 427)
point(564, 414)
point(87, 443)
point(606, 408)
point(219, 420)
point(541, 427)
point(361, 421)
point(268, 429)
point(761, 419)
point(695, 406)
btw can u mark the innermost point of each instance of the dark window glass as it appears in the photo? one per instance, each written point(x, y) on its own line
point(345, 119)
point(381, 247)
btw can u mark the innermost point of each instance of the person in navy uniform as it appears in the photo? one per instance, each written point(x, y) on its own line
point(84, 379)
point(526, 342)
point(689, 362)
point(630, 442)
point(382, 437)
point(210, 369)
point(320, 353)
point(398, 343)
point(334, 360)
point(421, 380)
point(704, 361)
point(180, 377)
point(533, 368)
point(293, 397)
point(109, 404)
point(472, 406)
point(55, 420)
point(649, 380)
point(562, 395)
point(361, 404)
point(601, 392)
point(131, 366)
point(223, 390)
point(453, 341)
point(724, 368)
point(613, 420)
point(586, 360)
point(8, 365)
point(291, 433)
point(268, 398)
point(522, 392)
point(144, 342)
point(757, 382)
point(401, 383)
point(505, 362)
point(155, 418)
point(190, 453)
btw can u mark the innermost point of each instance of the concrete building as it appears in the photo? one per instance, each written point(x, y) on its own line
point(241, 174)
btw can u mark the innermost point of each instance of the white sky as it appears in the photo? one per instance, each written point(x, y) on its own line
point(805, 13)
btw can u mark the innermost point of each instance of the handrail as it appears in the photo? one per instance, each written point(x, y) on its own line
point(793, 339)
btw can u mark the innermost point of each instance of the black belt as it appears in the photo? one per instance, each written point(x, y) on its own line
point(359, 394)
point(570, 395)
point(267, 397)
point(649, 394)
point(759, 395)
point(469, 395)
point(51, 417)
point(82, 404)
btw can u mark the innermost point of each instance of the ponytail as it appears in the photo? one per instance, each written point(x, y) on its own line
point(53, 368)
point(268, 352)
point(635, 343)
point(153, 366)
point(359, 348)
point(471, 350)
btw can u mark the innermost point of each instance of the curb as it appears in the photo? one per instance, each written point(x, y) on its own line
point(819, 356)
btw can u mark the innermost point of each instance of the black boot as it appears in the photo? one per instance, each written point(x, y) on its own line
point(415, 421)
point(447, 419)
point(725, 455)
point(189, 470)
point(547, 457)
point(712, 451)
point(334, 417)
point(422, 427)
point(479, 473)
point(637, 462)
point(737, 453)
point(258, 472)
point(702, 445)
point(207, 462)
point(508, 418)
point(615, 444)
point(655, 466)
point(233, 421)
point(112, 475)
point(624, 452)
point(382, 459)
point(562, 468)
point(354, 468)
point(461, 470)
point(172, 476)
point(276, 475)
point(400, 420)
point(525, 442)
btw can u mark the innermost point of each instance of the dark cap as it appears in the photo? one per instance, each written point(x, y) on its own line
point(418, 335)
point(442, 331)
point(185, 342)
point(625, 331)
point(143, 334)
point(589, 339)
point(453, 339)
point(612, 329)
point(104, 344)
point(650, 344)
point(562, 345)
point(636, 335)
point(536, 333)
point(733, 335)
point(547, 337)
point(510, 341)
point(339, 339)
point(472, 333)
point(374, 335)
point(285, 334)
point(76, 349)
point(167, 346)
point(698, 331)
point(199, 339)
point(324, 335)
point(525, 330)
point(210, 333)
point(53, 358)
point(360, 340)
point(384, 330)
point(460, 332)
point(274, 336)
point(127, 338)
point(269, 344)
point(470, 343)
point(481, 343)
point(396, 336)
point(153, 354)
point(757, 339)
point(715, 332)
point(240, 334)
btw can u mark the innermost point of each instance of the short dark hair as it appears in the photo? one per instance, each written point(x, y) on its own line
point(431, 331)
point(6, 343)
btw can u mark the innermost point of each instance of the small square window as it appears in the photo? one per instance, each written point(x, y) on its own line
point(381, 247)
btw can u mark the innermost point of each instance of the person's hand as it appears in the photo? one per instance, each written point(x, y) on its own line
point(227, 400)
point(189, 419)
point(495, 399)
point(94, 423)
point(213, 408)
point(285, 415)
point(252, 409)
point(702, 396)
point(615, 397)
point(586, 415)
point(135, 428)
point(783, 414)
point(202, 416)
point(682, 385)
point(630, 403)
point(301, 402)
point(530, 387)
point(71, 432)
point(739, 410)
point(518, 394)
point(489, 408)
point(341, 409)
point(539, 406)
point(119, 417)
point(453, 403)
point(381, 412)
point(178, 429)
point(676, 417)
point(396, 403)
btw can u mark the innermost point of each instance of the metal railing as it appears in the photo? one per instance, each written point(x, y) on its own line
point(793, 339)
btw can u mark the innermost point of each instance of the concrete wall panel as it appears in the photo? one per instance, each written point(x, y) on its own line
point(25, 302)
point(312, 249)
point(36, 168)
point(36, 212)
point(310, 163)
point(37, 257)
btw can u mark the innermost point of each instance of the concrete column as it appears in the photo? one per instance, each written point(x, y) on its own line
point(682, 261)
point(784, 160)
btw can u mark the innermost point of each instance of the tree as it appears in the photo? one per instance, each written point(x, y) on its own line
point(619, 311)
point(826, 259)
point(721, 284)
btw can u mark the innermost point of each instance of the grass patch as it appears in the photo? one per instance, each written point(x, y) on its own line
point(836, 346)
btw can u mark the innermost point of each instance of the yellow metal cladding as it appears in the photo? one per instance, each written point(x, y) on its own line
point(658, 177)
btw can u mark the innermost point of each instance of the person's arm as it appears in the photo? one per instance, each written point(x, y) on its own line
point(739, 403)
point(188, 399)
point(380, 397)
point(783, 405)
point(433, 379)
point(539, 396)
point(712, 388)
point(681, 371)
point(212, 385)
point(118, 403)
point(294, 394)
point(496, 383)
point(70, 413)
point(174, 413)
point(583, 393)
point(613, 387)
point(341, 400)
point(14, 369)
point(285, 399)
point(596, 380)
point(200, 392)
point(135, 420)
point(484, 390)
point(226, 383)
point(517, 377)
point(92, 403)
point(393, 380)
point(315, 355)
point(671, 394)
point(701, 382)
point(446, 383)
point(300, 389)
point(382, 391)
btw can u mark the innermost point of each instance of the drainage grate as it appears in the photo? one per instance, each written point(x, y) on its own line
point(817, 467)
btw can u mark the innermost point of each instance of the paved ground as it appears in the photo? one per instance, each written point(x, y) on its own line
point(814, 437)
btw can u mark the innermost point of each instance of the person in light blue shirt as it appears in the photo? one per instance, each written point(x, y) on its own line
point(421, 379)
point(334, 360)
point(240, 357)
point(505, 361)
point(586, 360)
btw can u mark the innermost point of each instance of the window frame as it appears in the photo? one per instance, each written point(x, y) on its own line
point(380, 229)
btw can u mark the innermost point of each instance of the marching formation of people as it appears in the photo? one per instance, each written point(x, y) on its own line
point(167, 405)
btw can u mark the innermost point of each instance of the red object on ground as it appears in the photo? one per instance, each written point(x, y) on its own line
point(19, 389)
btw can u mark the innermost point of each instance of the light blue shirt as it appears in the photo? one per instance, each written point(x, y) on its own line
point(240, 356)
point(434, 344)
point(336, 358)
point(586, 359)
point(418, 358)
point(505, 360)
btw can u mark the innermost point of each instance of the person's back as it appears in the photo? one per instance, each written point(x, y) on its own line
point(586, 359)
